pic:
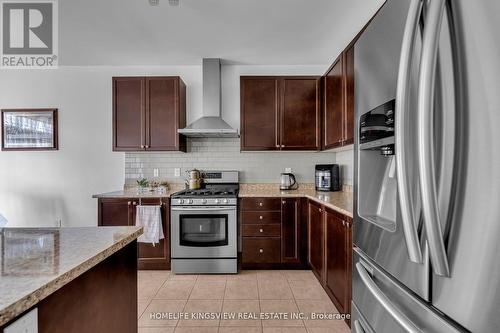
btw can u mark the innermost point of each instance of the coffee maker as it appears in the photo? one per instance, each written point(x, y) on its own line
point(327, 177)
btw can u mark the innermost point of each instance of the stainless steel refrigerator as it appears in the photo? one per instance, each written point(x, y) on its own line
point(427, 186)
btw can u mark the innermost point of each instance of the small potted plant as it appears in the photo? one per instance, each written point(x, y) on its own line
point(143, 185)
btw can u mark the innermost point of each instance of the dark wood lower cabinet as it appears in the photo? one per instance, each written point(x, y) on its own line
point(338, 260)
point(121, 212)
point(290, 230)
point(330, 253)
point(316, 246)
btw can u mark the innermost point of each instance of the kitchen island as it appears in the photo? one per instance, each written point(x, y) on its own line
point(69, 279)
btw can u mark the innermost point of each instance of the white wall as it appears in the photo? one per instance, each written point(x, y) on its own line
point(39, 188)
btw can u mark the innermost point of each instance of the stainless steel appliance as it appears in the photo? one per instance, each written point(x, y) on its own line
point(288, 181)
point(327, 177)
point(426, 231)
point(203, 226)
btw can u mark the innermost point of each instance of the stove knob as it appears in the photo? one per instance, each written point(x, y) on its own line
point(181, 201)
point(190, 201)
point(225, 201)
point(203, 201)
point(216, 201)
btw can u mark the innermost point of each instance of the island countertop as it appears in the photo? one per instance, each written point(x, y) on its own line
point(36, 262)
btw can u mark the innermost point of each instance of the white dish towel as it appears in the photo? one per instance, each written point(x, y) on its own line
point(149, 217)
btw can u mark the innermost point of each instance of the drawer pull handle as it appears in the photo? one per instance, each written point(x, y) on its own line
point(261, 217)
point(261, 250)
point(261, 230)
point(260, 204)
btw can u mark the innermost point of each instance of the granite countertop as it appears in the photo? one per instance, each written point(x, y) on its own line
point(338, 201)
point(134, 193)
point(35, 262)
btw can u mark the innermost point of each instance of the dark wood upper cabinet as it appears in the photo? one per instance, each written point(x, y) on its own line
point(259, 113)
point(337, 259)
point(349, 96)
point(290, 230)
point(338, 102)
point(300, 114)
point(315, 242)
point(147, 112)
point(333, 106)
point(129, 94)
point(280, 113)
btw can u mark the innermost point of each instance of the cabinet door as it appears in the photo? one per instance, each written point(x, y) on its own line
point(349, 96)
point(316, 239)
point(300, 116)
point(337, 260)
point(259, 113)
point(157, 256)
point(290, 230)
point(333, 105)
point(128, 113)
point(114, 212)
point(162, 113)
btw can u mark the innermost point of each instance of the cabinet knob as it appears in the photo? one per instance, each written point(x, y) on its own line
point(134, 203)
point(142, 146)
point(283, 202)
point(282, 146)
point(260, 204)
point(147, 146)
point(261, 217)
point(319, 210)
point(343, 223)
point(261, 230)
point(261, 250)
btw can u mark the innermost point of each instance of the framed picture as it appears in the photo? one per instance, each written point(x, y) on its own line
point(29, 129)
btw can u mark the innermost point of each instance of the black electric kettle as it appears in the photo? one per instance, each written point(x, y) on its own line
point(288, 182)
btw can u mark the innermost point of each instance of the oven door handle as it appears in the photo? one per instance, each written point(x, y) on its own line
point(199, 209)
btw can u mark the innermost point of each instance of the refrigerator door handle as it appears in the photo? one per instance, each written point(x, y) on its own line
point(426, 163)
point(384, 300)
point(409, 221)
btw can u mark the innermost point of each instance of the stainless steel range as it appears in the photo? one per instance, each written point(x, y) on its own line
point(203, 226)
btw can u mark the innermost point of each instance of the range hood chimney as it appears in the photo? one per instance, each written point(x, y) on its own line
point(211, 124)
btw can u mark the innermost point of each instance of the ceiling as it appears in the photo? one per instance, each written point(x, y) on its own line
point(249, 32)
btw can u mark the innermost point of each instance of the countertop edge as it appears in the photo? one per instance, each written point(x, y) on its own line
point(26, 302)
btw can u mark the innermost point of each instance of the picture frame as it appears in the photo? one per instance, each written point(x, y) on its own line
point(29, 129)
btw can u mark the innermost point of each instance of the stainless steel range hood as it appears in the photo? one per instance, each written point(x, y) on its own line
point(211, 124)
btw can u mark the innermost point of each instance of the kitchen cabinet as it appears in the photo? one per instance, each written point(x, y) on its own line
point(147, 112)
point(316, 235)
point(338, 259)
point(338, 102)
point(280, 113)
point(121, 212)
point(270, 229)
point(290, 230)
point(330, 252)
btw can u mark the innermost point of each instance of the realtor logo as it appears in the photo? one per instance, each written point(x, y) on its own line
point(29, 34)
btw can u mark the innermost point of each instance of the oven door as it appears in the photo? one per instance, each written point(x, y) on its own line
point(203, 232)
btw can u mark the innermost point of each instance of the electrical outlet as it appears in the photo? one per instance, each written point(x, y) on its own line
point(288, 170)
point(156, 172)
point(177, 172)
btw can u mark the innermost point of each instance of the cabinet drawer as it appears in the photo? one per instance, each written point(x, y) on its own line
point(261, 250)
point(260, 217)
point(261, 204)
point(261, 230)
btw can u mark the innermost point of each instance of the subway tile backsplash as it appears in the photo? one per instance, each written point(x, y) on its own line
point(224, 154)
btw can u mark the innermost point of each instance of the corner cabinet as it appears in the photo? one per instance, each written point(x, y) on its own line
point(280, 113)
point(330, 253)
point(338, 102)
point(121, 212)
point(147, 112)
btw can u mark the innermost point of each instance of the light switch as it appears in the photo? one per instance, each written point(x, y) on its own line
point(288, 170)
point(26, 324)
point(177, 172)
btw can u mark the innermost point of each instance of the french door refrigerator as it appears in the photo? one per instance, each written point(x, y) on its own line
point(427, 187)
